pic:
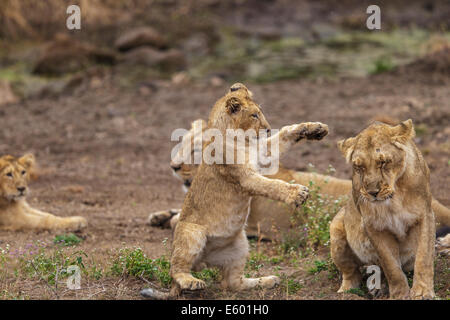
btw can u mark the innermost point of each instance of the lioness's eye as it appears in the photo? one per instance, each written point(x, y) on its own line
point(255, 116)
point(23, 172)
point(9, 174)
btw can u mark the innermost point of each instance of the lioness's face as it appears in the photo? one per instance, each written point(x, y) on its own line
point(378, 158)
point(14, 176)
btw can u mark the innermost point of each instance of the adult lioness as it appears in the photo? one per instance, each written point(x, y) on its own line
point(267, 217)
point(389, 220)
point(15, 213)
point(210, 229)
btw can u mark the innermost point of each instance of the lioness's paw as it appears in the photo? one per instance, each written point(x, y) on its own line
point(421, 292)
point(298, 196)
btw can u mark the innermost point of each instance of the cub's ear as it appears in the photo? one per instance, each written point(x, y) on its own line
point(346, 147)
point(403, 132)
point(27, 160)
point(239, 86)
point(233, 105)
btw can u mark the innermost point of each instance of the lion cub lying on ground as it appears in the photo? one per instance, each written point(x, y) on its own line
point(15, 213)
point(210, 229)
point(389, 220)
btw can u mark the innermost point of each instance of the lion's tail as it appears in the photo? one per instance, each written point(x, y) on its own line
point(441, 212)
point(155, 294)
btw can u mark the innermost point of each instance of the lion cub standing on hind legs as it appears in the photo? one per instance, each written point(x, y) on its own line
point(15, 213)
point(211, 226)
point(389, 221)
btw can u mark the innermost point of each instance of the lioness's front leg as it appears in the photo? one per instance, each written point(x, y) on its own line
point(423, 287)
point(188, 243)
point(342, 255)
point(387, 250)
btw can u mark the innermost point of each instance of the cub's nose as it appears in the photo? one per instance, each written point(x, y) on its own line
point(21, 189)
point(268, 132)
point(374, 193)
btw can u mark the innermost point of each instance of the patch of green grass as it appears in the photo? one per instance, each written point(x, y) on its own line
point(207, 275)
point(357, 291)
point(293, 286)
point(67, 240)
point(382, 64)
point(134, 262)
point(318, 267)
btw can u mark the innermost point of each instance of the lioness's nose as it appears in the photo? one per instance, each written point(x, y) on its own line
point(374, 193)
point(21, 189)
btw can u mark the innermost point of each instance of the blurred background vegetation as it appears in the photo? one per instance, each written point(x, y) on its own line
point(209, 40)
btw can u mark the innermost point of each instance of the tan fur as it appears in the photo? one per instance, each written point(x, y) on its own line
point(210, 229)
point(15, 213)
point(389, 220)
point(267, 217)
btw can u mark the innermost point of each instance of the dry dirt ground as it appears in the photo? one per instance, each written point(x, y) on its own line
point(104, 154)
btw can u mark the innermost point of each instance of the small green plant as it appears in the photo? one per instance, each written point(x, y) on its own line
point(207, 275)
point(357, 291)
point(135, 263)
point(381, 65)
point(293, 286)
point(318, 267)
point(67, 240)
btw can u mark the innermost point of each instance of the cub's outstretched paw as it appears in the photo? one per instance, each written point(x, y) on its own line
point(314, 131)
point(299, 194)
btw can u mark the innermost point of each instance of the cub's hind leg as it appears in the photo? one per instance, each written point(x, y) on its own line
point(232, 261)
point(188, 244)
point(342, 255)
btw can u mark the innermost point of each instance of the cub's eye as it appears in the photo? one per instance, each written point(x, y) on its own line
point(23, 172)
point(9, 174)
point(255, 115)
point(357, 168)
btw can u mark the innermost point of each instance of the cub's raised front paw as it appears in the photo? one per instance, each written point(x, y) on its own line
point(315, 130)
point(298, 195)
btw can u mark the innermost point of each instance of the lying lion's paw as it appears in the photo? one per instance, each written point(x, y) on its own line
point(419, 292)
point(78, 223)
point(298, 196)
point(269, 281)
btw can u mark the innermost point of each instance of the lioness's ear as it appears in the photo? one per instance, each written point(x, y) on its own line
point(233, 105)
point(347, 146)
point(27, 160)
point(403, 132)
